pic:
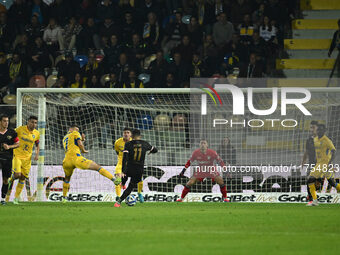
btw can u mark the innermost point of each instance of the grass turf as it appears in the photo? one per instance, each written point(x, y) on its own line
point(169, 228)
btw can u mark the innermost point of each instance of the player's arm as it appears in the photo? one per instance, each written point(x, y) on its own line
point(37, 150)
point(186, 166)
point(153, 149)
point(304, 157)
point(81, 146)
point(332, 149)
point(115, 147)
point(15, 144)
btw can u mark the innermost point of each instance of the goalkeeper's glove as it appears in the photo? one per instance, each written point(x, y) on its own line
point(182, 172)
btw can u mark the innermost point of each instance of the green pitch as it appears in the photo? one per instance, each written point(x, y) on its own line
point(169, 228)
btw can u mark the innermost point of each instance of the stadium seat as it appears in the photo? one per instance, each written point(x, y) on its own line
point(179, 121)
point(319, 5)
point(315, 24)
point(305, 63)
point(10, 99)
point(144, 122)
point(307, 44)
point(162, 122)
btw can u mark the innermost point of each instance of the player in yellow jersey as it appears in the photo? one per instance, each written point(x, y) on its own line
point(325, 153)
point(73, 146)
point(28, 137)
point(119, 147)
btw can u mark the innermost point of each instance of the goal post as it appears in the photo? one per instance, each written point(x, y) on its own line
point(172, 120)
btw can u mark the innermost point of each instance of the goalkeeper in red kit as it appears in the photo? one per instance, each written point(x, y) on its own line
point(206, 160)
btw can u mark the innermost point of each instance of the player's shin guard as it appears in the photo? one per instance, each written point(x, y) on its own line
point(66, 187)
point(313, 190)
point(4, 190)
point(20, 186)
point(118, 190)
point(185, 191)
point(106, 173)
point(223, 190)
point(140, 187)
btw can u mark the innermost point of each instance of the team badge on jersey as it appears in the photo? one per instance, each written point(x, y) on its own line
point(9, 137)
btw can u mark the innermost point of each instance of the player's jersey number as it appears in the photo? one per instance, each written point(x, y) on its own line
point(66, 143)
point(137, 154)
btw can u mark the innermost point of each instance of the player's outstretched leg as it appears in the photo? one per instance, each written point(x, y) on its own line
point(186, 189)
point(332, 182)
point(311, 184)
point(105, 173)
point(140, 190)
point(126, 192)
point(223, 188)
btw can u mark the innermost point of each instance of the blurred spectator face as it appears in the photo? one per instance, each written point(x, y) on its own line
point(159, 56)
point(73, 21)
point(223, 18)
point(261, 8)
point(38, 41)
point(266, 21)
point(94, 79)
point(235, 38)
point(135, 39)
point(16, 58)
point(195, 58)
point(52, 22)
point(24, 38)
point(92, 58)
point(107, 21)
point(34, 20)
point(114, 39)
point(186, 40)
point(77, 77)
point(113, 77)
point(193, 21)
point(90, 22)
point(122, 59)
point(209, 39)
point(252, 59)
point(132, 75)
point(256, 36)
point(105, 40)
point(178, 17)
point(152, 18)
point(177, 57)
point(128, 18)
point(169, 78)
point(246, 18)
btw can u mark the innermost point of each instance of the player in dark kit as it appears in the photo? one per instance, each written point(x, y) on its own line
point(133, 162)
point(8, 141)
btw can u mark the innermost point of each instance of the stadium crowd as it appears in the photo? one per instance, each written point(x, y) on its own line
point(138, 43)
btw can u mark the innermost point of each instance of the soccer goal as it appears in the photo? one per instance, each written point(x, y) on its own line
point(264, 157)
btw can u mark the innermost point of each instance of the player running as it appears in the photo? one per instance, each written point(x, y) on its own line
point(8, 141)
point(133, 162)
point(28, 137)
point(206, 160)
point(73, 146)
point(325, 153)
point(119, 147)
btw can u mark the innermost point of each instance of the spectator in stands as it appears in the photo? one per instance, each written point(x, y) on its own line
point(198, 68)
point(246, 29)
point(195, 32)
point(34, 29)
point(253, 69)
point(7, 33)
point(18, 15)
point(61, 11)
point(22, 47)
point(17, 73)
point(209, 54)
point(39, 57)
point(78, 81)
point(132, 81)
point(158, 70)
point(4, 73)
point(128, 28)
point(53, 37)
point(93, 67)
point(238, 9)
point(68, 67)
point(88, 37)
point(122, 68)
point(172, 6)
point(39, 9)
point(258, 45)
point(93, 82)
point(61, 82)
point(170, 81)
point(179, 69)
point(136, 51)
point(112, 51)
point(258, 15)
point(127, 6)
point(112, 82)
point(205, 15)
point(222, 30)
point(173, 33)
point(267, 31)
point(185, 49)
point(227, 152)
point(151, 32)
point(70, 33)
point(106, 9)
point(86, 10)
point(108, 28)
point(237, 49)
point(147, 7)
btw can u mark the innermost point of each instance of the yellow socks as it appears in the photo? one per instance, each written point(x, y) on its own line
point(118, 190)
point(140, 187)
point(105, 173)
point(20, 186)
point(66, 187)
point(338, 187)
point(313, 190)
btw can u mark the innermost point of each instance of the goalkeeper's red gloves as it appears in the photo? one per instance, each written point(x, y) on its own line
point(182, 172)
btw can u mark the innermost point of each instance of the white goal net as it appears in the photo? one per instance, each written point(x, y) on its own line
point(172, 121)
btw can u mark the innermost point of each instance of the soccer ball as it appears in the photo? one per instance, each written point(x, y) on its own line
point(131, 200)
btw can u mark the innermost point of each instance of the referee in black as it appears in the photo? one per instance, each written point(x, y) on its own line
point(8, 141)
point(133, 162)
point(310, 152)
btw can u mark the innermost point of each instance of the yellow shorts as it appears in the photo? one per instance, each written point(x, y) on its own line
point(118, 169)
point(321, 171)
point(70, 163)
point(22, 166)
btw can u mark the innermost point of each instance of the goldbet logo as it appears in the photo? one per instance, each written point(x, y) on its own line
point(288, 96)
